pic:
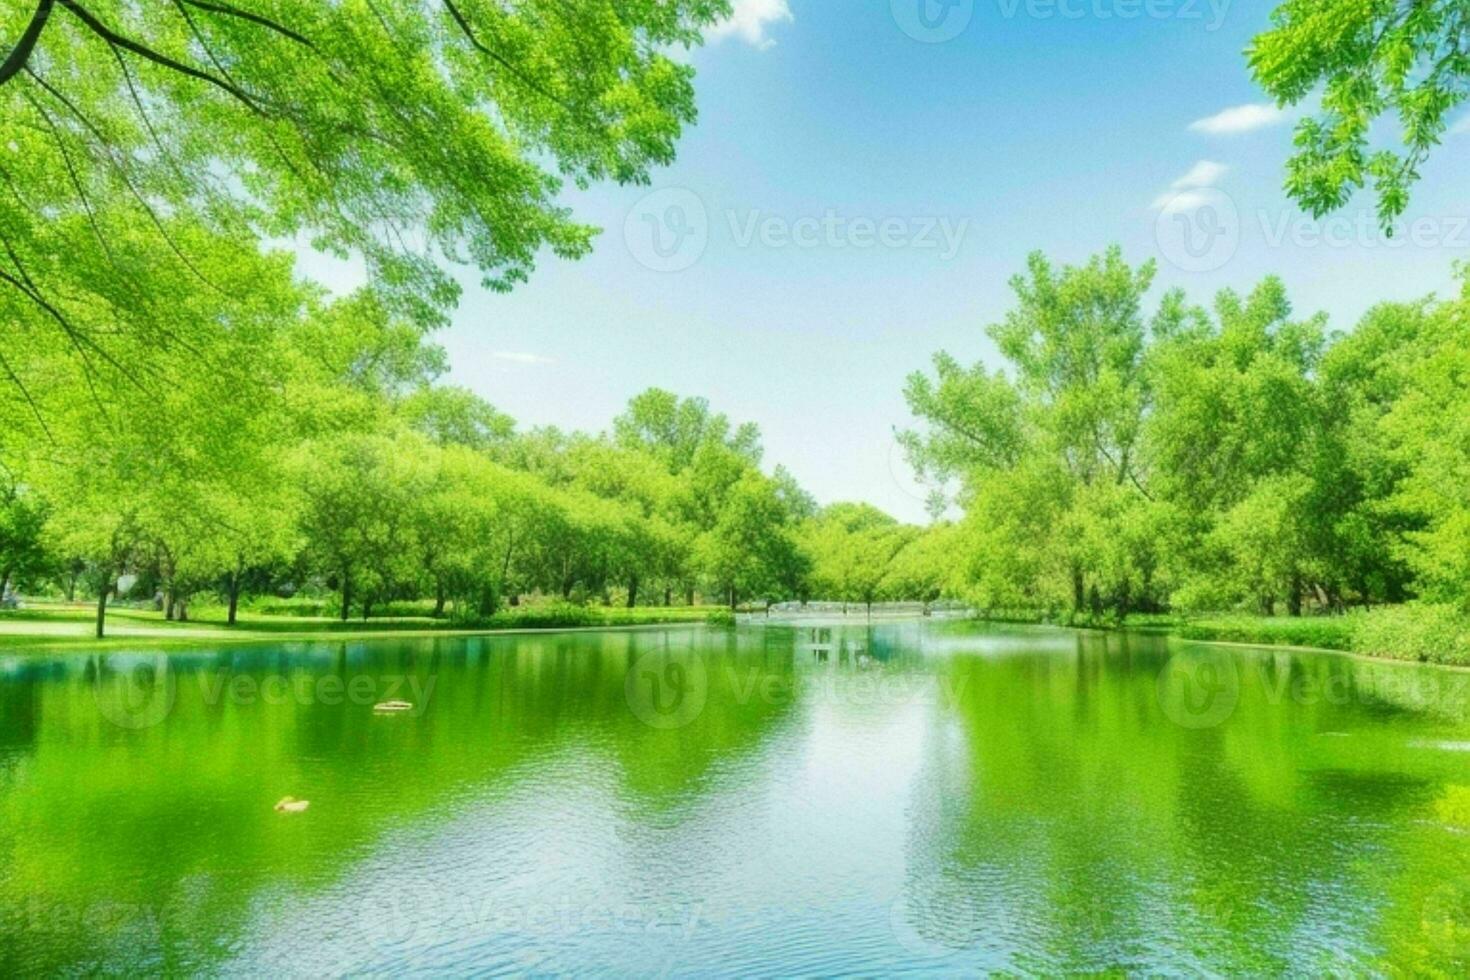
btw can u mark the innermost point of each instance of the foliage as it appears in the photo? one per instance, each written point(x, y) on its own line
point(1323, 632)
point(1367, 58)
point(1236, 458)
point(359, 125)
point(1433, 633)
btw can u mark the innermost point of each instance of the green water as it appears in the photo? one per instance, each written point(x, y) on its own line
point(925, 798)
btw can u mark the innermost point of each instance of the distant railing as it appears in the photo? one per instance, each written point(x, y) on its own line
point(942, 608)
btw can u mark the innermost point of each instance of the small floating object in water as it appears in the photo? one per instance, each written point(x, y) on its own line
point(291, 804)
point(392, 707)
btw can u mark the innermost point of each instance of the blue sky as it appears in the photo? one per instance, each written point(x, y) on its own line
point(824, 127)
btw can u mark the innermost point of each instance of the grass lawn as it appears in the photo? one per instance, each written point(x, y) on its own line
point(60, 624)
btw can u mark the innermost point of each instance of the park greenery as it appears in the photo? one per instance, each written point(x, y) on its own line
point(1139, 457)
point(186, 415)
point(329, 458)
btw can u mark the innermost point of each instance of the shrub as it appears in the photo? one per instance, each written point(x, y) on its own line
point(1417, 631)
point(1328, 632)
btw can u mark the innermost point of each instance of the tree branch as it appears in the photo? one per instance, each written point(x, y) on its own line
point(21, 53)
point(266, 22)
point(464, 26)
point(143, 51)
point(105, 148)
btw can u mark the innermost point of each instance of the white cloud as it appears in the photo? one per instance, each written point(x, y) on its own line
point(749, 20)
point(1460, 126)
point(1189, 190)
point(518, 357)
point(1205, 173)
point(1239, 119)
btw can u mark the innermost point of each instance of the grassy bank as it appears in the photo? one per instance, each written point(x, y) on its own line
point(1418, 632)
point(71, 624)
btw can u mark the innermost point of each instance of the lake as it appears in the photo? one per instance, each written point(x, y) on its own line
point(915, 797)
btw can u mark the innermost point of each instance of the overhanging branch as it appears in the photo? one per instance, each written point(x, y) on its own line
point(21, 53)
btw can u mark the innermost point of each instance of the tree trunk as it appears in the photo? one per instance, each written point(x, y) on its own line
point(168, 606)
point(184, 609)
point(438, 599)
point(633, 592)
point(5, 583)
point(689, 596)
point(367, 608)
point(102, 595)
point(1294, 596)
point(234, 586)
point(732, 599)
point(346, 598)
point(71, 587)
point(1079, 591)
point(668, 597)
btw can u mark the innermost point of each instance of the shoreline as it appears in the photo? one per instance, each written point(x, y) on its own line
point(1173, 636)
point(22, 641)
point(20, 637)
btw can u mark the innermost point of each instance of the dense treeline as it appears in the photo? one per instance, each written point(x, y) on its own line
point(319, 452)
point(1133, 459)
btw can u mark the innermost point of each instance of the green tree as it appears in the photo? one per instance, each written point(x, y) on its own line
point(850, 548)
point(748, 550)
point(1067, 424)
point(359, 494)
